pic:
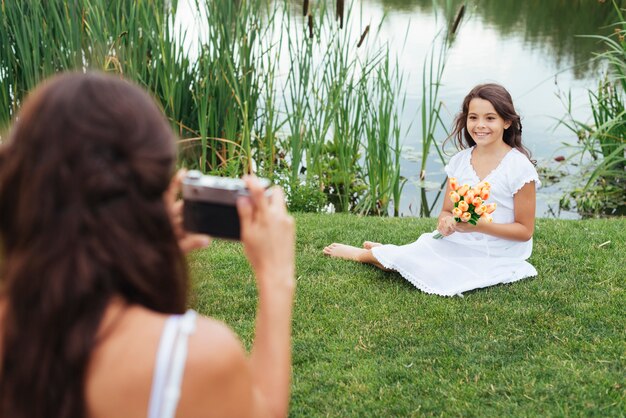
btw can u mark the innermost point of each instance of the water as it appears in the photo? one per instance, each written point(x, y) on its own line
point(529, 47)
point(536, 67)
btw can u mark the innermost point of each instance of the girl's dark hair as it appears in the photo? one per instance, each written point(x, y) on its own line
point(502, 102)
point(82, 220)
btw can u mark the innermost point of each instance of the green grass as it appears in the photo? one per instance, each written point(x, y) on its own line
point(366, 343)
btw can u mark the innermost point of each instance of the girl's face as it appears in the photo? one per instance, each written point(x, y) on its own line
point(484, 124)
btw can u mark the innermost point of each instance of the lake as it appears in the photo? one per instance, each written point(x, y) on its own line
point(531, 47)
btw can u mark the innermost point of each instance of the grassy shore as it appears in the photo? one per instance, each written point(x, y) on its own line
point(366, 343)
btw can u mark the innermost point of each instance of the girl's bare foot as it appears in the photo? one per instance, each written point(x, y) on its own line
point(368, 245)
point(347, 252)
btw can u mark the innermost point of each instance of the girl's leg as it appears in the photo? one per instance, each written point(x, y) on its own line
point(348, 252)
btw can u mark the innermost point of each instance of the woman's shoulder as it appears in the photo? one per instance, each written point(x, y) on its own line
point(123, 363)
point(217, 375)
point(214, 342)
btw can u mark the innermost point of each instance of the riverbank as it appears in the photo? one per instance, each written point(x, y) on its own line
point(366, 343)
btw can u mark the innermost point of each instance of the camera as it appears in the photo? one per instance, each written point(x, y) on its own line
point(210, 204)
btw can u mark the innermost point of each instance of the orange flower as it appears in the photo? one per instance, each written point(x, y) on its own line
point(463, 205)
point(463, 189)
point(469, 196)
point(465, 216)
point(477, 201)
point(491, 207)
point(480, 209)
point(456, 212)
point(487, 217)
point(484, 194)
point(454, 196)
point(454, 185)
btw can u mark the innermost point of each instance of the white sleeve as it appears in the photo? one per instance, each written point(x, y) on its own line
point(452, 168)
point(524, 172)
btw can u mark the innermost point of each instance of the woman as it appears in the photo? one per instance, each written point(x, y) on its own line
point(93, 281)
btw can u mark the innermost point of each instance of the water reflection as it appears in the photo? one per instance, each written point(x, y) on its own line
point(550, 26)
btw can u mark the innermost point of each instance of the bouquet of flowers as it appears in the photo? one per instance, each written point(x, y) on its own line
point(470, 203)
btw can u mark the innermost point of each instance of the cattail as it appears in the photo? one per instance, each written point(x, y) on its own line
point(457, 19)
point(305, 8)
point(340, 9)
point(363, 35)
point(310, 24)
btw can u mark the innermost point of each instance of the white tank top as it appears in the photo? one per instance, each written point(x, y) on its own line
point(170, 365)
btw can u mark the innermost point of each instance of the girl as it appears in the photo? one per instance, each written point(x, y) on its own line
point(93, 290)
point(489, 132)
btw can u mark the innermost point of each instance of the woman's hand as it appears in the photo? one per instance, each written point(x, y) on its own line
point(445, 226)
point(186, 241)
point(268, 234)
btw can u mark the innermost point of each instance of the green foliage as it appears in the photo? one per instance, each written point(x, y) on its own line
point(306, 197)
point(368, 344)
point(602, 144)
point(222, 91)
point(302, 194)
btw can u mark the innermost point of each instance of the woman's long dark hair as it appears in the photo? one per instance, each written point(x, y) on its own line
point(82, 220)
point(502, 102)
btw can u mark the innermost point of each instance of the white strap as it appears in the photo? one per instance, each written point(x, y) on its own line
point(170, 365)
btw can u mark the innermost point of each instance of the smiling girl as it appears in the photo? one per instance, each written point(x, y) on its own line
point(488, 132)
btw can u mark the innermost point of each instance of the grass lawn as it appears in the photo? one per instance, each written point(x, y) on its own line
point(367, 343)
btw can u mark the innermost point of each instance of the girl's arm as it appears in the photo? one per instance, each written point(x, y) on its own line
point(445, 224)
point(521, 229)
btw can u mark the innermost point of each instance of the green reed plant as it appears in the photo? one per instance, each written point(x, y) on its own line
point(229, 89)
point(231, 103)
point(42, 38)
point(300, 47)
point(268, 123)
point(431, 106)
point(333, 147)
point(601, 148)
point(329, 97)
point(601, 152)
point(383, 148)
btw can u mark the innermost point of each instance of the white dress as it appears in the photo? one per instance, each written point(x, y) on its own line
point(464, 261)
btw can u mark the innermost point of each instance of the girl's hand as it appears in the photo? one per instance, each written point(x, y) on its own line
point(445, 226)
point(186, 241)
point(468, 227)
point(268, 234)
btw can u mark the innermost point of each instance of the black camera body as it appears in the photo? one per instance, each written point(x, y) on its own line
point(210, 204)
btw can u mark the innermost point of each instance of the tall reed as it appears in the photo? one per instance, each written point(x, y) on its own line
point(601, 149)
point(430, 110)
point(383, 147)
point(326, 119)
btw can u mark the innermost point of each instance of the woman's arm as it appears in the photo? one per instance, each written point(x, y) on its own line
point(521, 229)
point(220, 380)
point(268, 235)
